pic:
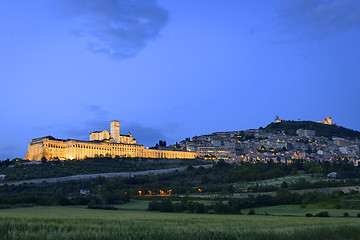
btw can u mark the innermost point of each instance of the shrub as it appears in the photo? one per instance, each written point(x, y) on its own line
point(166, 206)
point(108, 207)
point(251, 212)
point(222, 208)
point(103, 207)
point(322, 214)
point(346, 214)
point(309, 215)
point(284, 185)
point(153, 206)
point(179, 207)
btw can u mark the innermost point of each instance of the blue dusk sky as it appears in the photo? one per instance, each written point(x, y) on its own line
point(171, 69)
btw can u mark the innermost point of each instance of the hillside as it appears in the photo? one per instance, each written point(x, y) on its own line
point(25, 170)
point(329, 131)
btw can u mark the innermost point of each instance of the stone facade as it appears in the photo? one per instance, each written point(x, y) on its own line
point(326, 121)
point(101, 144)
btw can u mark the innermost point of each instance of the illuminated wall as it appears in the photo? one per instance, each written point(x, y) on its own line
point(113, 136)
point(55, 149)
point(326, 121)
point(101, 144)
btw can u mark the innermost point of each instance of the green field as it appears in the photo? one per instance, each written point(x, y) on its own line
point(243, 186)
point(131, 222)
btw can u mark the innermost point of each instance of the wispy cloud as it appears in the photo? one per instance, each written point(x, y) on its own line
point(117, 28)
point(97, 110)
point(254, 30)
point(309, 19)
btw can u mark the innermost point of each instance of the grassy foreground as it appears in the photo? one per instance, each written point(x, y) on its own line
point(82, 223)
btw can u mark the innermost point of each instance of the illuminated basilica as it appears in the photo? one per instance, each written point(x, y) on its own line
point(101, 144)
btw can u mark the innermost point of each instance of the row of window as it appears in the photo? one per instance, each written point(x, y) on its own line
point(118, 150)
point(123, 149)
point(54, 146)
point(105, 148)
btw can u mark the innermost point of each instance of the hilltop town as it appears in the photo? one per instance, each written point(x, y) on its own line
point(281, 141)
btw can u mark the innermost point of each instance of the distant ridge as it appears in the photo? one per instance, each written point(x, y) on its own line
point(329, 131)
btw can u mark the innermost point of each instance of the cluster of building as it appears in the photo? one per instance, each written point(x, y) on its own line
point(251, 145)
point(101, 144)
point(257, 145)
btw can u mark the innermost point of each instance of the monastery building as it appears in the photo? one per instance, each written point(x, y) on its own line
point(101, 144)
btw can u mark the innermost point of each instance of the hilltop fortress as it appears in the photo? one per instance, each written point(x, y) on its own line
point(101, 144)
point(327, 121)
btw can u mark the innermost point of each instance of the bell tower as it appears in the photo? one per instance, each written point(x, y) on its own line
point(115, 131)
